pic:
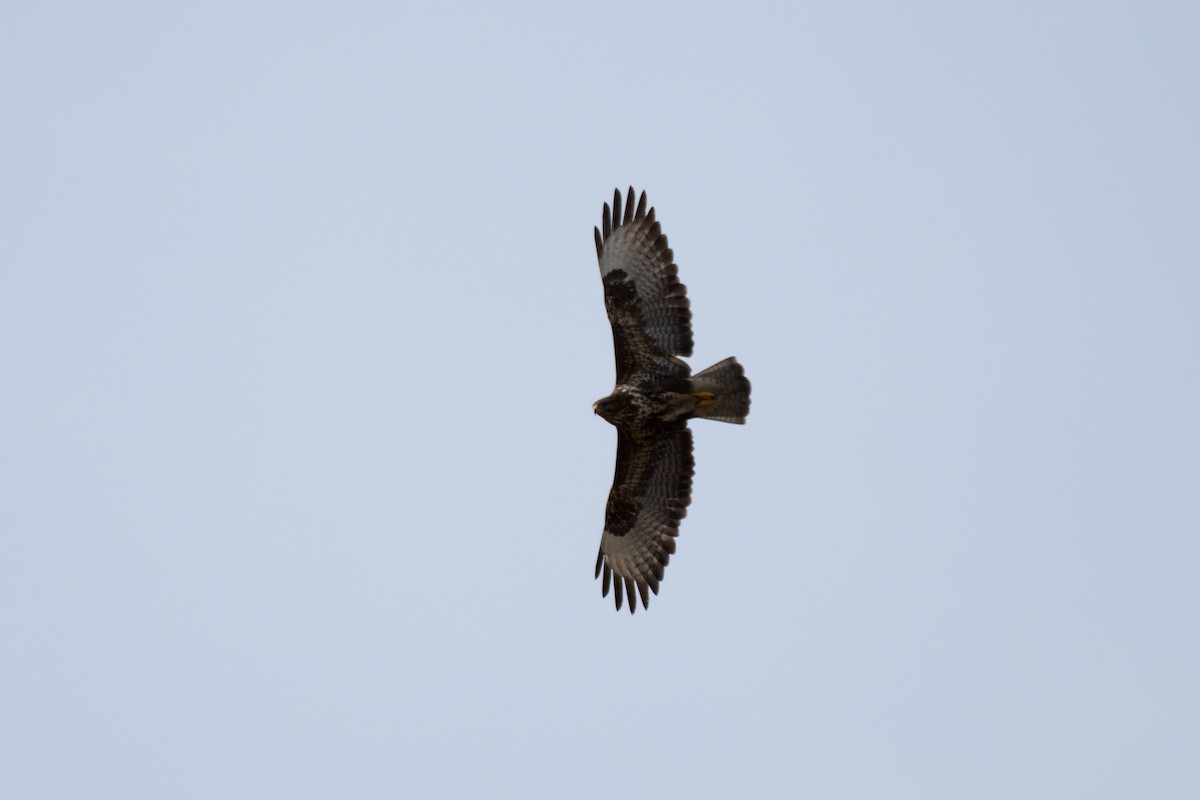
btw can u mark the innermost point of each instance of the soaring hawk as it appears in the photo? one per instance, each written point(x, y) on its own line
point(654, 397)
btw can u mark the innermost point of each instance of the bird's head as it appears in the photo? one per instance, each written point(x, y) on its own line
point(613, 407)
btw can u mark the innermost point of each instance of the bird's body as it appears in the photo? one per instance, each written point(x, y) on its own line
point(634, 405)
point(654, 397)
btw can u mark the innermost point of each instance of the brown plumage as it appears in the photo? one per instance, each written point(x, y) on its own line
point(654, 397)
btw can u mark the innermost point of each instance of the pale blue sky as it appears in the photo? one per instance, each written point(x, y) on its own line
point(300, 328)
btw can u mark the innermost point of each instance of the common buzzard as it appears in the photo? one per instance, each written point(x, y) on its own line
point(654, 397)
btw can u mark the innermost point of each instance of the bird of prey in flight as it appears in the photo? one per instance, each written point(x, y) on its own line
point(654, 397)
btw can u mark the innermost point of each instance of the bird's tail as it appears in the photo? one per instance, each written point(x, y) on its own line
point(724, 392)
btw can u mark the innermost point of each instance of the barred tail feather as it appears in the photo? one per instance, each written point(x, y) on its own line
point(730, 390)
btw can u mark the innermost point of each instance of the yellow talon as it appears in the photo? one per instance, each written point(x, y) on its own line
point(705, 398)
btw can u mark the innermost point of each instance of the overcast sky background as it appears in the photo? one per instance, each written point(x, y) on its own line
point(300, 328)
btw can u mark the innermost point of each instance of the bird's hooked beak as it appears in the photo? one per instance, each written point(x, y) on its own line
point(596, 407)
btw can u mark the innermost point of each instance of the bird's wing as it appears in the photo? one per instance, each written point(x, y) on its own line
point(646, 303)
point(651, 490)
